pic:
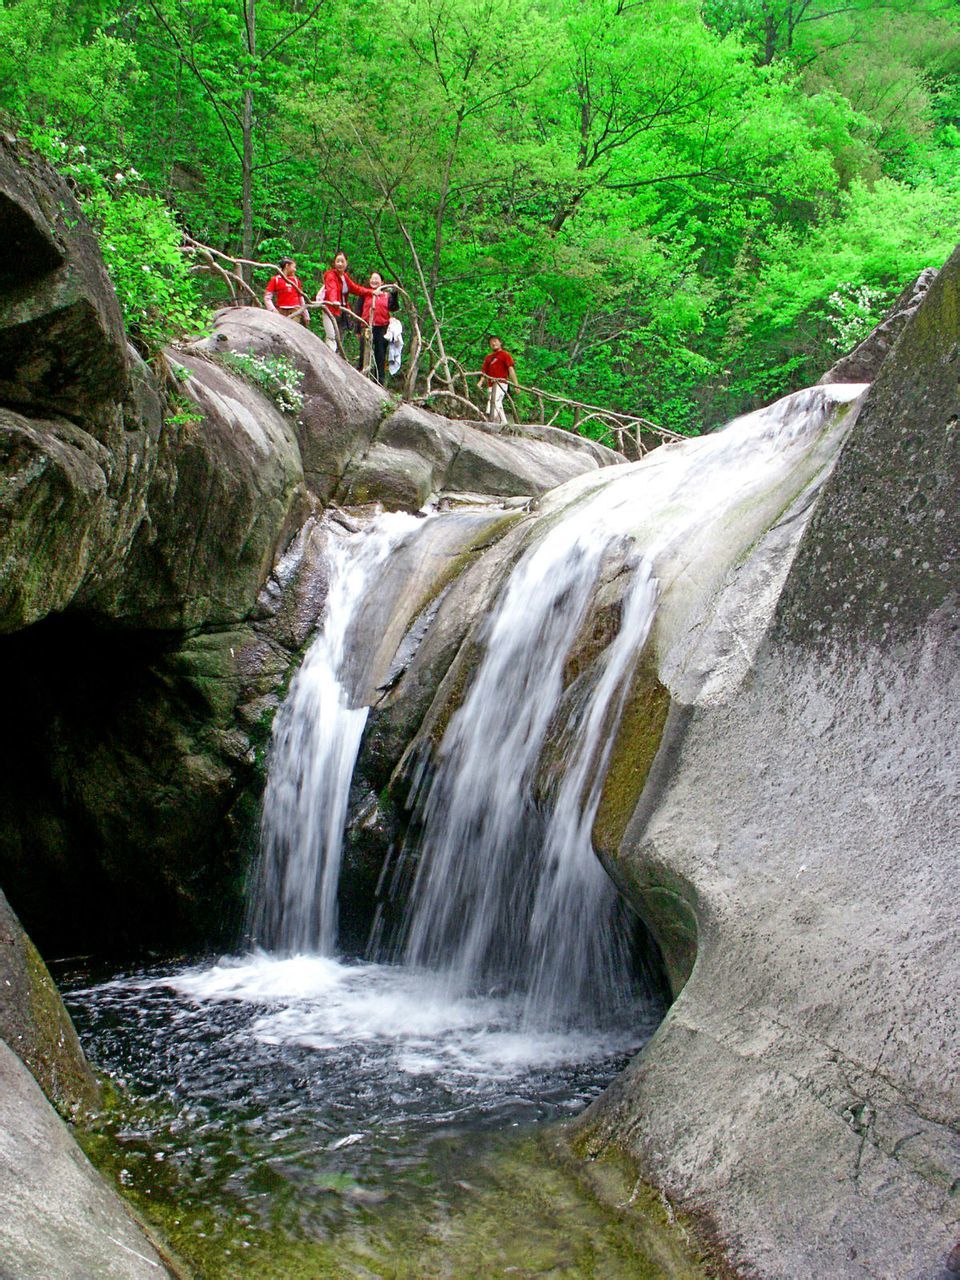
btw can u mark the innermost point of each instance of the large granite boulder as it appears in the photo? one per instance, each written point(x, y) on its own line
point(59, 1219)
point(341, 409)
point(226, 496)
point(63, 350)
point(796, 847)
point(361, 445)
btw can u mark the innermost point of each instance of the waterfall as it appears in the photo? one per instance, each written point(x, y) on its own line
point(500, 896)
point(507, 895)
point(316, 738)
point(508, 892)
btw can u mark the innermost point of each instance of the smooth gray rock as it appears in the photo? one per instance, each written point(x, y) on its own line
point(506, 465)
point(803, 1090)
point(59, 1219)
point(226, 495)
point(342, 410)
point(360, 445)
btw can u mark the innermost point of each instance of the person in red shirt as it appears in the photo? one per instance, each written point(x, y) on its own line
point(379, 300)
point(285, 294)
point(498, 369)
point(336, 312)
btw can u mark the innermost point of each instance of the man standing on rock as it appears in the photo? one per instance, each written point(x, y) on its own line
point(285, 294)
point(498, 369)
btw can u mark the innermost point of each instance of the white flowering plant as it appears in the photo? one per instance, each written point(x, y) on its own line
point(278, 376)
point(853, 312)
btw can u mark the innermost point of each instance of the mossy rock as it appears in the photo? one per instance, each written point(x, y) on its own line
point(35, 1024)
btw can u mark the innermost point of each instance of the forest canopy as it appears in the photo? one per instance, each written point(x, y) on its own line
point(678, 208)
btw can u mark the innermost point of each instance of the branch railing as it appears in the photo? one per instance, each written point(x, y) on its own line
point(445, 378)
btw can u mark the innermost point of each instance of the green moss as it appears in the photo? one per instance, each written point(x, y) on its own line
point(680, 1243)
point(671, 917)
point(526, 1208)
point(635, 746)
point(662, 901)
point(54, 1055)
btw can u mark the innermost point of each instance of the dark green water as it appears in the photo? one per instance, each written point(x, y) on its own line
point(310, 1118)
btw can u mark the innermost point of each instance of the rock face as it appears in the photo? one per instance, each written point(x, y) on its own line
point(359, 445)
point(159, 574)
point(35, 1024)
point(59, 1220)
point(800, 839)
point(79, 415)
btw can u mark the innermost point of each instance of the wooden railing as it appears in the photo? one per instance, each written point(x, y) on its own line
point(446, 384)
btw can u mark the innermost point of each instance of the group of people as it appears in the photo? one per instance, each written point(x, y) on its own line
point(285, 294)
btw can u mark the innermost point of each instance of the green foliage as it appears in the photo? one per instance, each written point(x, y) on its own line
point(181, 412)
point(677, 208)
point(276, 375)
point(141, 247)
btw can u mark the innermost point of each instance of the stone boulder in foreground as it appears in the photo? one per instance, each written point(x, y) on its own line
point(59, 1219)
point(798, 846)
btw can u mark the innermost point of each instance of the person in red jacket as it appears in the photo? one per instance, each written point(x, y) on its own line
point(379, 300)
point(498, 369)
point(284, 293)
point(336, 312)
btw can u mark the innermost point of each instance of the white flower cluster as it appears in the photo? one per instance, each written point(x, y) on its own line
point(854, 311)
point(278, 376)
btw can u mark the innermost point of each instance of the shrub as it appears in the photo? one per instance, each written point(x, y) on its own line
point(141, 247)
point(278, 376)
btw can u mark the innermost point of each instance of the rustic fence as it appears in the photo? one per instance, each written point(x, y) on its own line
point(446, 385)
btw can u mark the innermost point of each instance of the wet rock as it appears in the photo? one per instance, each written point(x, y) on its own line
point(795, 836)
point(35, 1024)
point(59, 1219)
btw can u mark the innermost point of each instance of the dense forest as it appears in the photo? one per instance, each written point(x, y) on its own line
point(679, 208)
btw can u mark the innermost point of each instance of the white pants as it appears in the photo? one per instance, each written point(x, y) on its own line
point(495, 396)
point(329, 329)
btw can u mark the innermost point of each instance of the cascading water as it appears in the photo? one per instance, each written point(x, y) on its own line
point(507, 889)
point(498, 898)
point(316, 739)
point(316, 1074)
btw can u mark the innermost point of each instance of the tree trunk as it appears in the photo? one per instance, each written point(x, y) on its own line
point(247, 157)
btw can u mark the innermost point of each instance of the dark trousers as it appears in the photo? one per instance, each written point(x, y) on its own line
point(379, 350)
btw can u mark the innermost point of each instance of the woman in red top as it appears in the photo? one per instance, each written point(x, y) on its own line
point(379, 300)
point(285, 294)
point(336, 313)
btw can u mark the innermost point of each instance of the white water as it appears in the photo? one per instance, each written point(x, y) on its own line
point(508, 899)
point(508, 891)
point(315, 743)
point(322, 1004)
